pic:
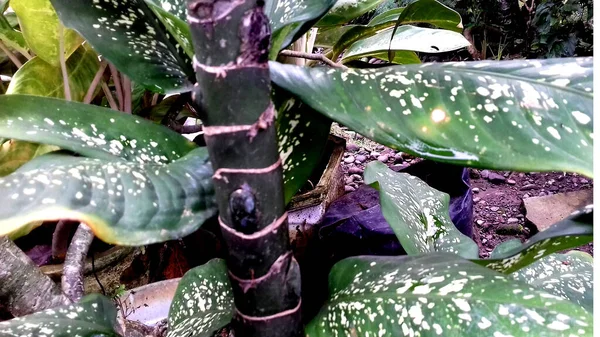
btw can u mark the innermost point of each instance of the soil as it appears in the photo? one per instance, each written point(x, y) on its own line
point(498, 212)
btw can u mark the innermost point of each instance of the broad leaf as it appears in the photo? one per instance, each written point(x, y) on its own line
point(39, 78)
point(418, 214)
point(302, 134)
point(431, 12)
point(129, 35)
point(172, 14)
point(203, 301)
point(15, 153)
point(10, 37)
point(407, 37)
point(569, 276)
point(89, 130)
point(125, 203)
point(346, 10)
point(400, 57)
point(522, 115)
point(574, 231)
point(439, 295)
point(389, 16)
point(327, 37)
point(40, 27)
point(94, 315)
point(290, 19)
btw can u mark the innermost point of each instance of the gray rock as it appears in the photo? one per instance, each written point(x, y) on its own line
point(494, 209)
point(475, 189)
point(542, 193)
point(356, 177)
point(509, 229)
point(380, 147)
point(355, 170)
point(526, 195)
point(480, 222)
point(348, 180)
point(511, 182)
point(383, 158)
point(375, 154)
point(361, 158)
point(398, 156)
point(349, 159)
point(349, 189)
point(527, 187)
point(351, 147)
point(512, 220)
point(484, 174)
point(476, 200)
point(496, 178)
point(548, 210)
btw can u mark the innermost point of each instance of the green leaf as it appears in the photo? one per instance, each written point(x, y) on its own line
point(11, 38)
point(39, 78)
point(431, 12)
point(522, 115)
point(389, 16)
point(439, 295)
point(407, 37)
point(327, 37)
point(290, 19)
point(15, 153)
point(203, 301)
point(302, 134)
point(129, 35)
point(574, 231)
point(567, 275)
point(172, 14)
point(346, 10)
point(40, 27)
point(94, 315)
point(400, 57)
point(418, 214)
point(125, 203)
point(89, 130)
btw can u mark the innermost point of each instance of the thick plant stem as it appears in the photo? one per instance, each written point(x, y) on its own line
point(24, 289)
point(231, 39)
point(72, 279)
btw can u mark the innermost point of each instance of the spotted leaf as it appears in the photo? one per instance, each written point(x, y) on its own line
point(37, 77)
point(302, 134)
point(569, 276)
point(172, 14)
point(439, 295)
point(15, 153)
point(574, 231)
point(94, 315)
point(89, 130)
point(203, 301)
point(133, 38)
point(290, 19)
point(417, 213)
point(409, 38)
point(125, 203)
point(40, 27)
point(522, 115)
point(347, 10)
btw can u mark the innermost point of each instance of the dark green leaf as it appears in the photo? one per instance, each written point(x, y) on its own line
point(432, 12)
point(407, 37)
point(569, 276)
point(572, 232)
point(89, 130)
point(439, 295)
point(203, 302)
point(11, 38)
point(327, 37)
point(523, 115)
point(40, 27)
point(39, 78)
point(125, 203)
point(94, 315)
point(172, 14)
point(418, 214)
point(290, 19)
point(15, 153)
point(389, 16)
point(301, 134)
point(346, 10)
point(130, 36)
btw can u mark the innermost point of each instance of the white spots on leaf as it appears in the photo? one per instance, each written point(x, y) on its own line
point(553, 132)
point(581, 117)
point(483, 91)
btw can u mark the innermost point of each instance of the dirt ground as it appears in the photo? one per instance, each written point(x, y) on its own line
point(497, 195)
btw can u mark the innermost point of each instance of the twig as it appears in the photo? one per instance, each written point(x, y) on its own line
point(154, 99)
point(24, 289)
point(126, 87)
point(89, 95)
point(60, 238)
point(73, 270)
point(109, 97)
point(63, 62)
point(185, 129)
point(117, 82)
point(10, 55)
point(316, 57)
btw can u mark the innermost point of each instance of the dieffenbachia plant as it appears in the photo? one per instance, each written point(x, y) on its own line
point(518, 115)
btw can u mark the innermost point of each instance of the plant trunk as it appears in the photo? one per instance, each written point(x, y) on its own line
point(231, 40)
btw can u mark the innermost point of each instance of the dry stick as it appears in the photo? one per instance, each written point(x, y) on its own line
point(109, 97)
point(117, 81)
point(63, 62)
point(89, 95)
point(126, 94)
point(316, 57)
point(10, 55)
point(73, 270)
point(154, 100)
point(24, 289)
